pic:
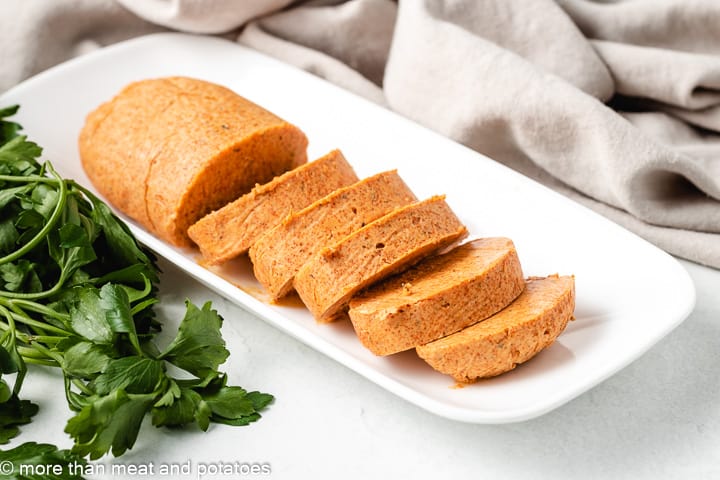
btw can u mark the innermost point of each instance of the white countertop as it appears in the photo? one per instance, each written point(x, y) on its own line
point(657, 418)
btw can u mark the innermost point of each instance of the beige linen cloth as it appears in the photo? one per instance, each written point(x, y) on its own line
point(615, 104)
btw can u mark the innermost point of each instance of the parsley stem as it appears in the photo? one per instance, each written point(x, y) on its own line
point(29, 352)
point(41, 325)
point(27, 338)
point(82, 387)
point(49, 339)
point(10, 326)
point(40, 361)
point(38, 295)
point(39, 308)
point(48, 353)
point(59, 207)
point(29, 179)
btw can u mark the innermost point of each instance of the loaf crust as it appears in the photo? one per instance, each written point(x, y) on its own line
point(508, 338)
point(279, 253)
point(168, 151)
point(234, 228)
point(383, 247)
point(439, 296)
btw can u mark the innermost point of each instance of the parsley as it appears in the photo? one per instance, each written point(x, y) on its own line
point(30, 458)
point(76, 292)
point(13, 413)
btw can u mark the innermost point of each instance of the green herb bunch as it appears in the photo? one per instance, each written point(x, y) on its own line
point(76, 292)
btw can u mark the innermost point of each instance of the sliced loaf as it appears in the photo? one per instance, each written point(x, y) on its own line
point(279, 253)
point(383, 247)
point(508, 338)
point(439, 296)
point(167, 151)
point(232, 230)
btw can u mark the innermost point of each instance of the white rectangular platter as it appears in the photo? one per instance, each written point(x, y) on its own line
point(629, 293)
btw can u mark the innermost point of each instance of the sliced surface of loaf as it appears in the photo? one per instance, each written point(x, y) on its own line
point(168, 151)
point(279, 253)
point(383, 247)
point(439, 296)
point(234, 228)
point(510, 337)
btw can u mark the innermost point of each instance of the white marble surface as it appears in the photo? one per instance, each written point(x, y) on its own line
point(657, 418)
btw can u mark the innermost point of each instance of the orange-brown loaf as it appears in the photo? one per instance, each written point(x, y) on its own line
point(167, 151)
point(438, 296)
point(279, 253)
point(389, 244)
point(233, 229)
point(508, 338)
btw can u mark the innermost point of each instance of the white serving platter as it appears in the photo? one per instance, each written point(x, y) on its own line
point(629, 293)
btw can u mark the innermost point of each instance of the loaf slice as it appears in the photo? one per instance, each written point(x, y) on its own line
point(168, 151)
point(389, 244)
point(279, 253)
point(232, 230)
point(439, 296)
point(508, 338)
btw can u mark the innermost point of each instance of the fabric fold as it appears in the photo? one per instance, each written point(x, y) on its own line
point(684, 25)
point(685, 80)
point(523, 29)
point(202, 16)
point(347, 45)
point(566, 132)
